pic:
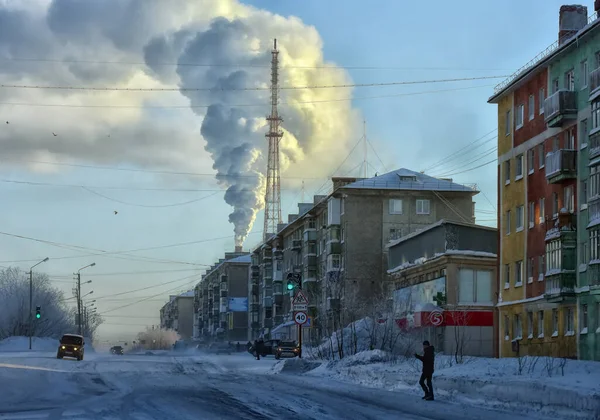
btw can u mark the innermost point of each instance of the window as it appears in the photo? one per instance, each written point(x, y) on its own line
point(554, 322)
point(555, 85)
point(570, 139)
point(541, 156)
point(583, 253)
point(506, 328)
point(583, 193)
point(507, 172)
point(423, 206)
point(583, 133)
point(595, 245)
point(529, 324)
point(570, 80)
point(334, 262)
point(540, 324)
point(520, 218)
point(507, 123)
point(519, 273)
point(541, 267)
point(395, 206)
point(584, 319)
point(584, 74)
point(594, 182)
point(531, 214)
point(519, 173)
point(569, 322)
point(569, 198)
point(518, 328)
point(530, 264)
point(531, 107)
point(595, 114)
point(554, 204)
point(342, 205)
point(542, 210)
point(530, 160)
point(553, 256)
point(542, 96)
point(519, 116)
point(474, 286)
point(508, 222)
point(555, 144)
point(506, 276)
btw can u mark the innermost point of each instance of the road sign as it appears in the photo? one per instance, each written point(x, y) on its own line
point(300, 318)
point(300, 298)
point(300, 307)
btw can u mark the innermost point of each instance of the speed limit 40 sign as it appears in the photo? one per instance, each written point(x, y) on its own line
point(300, 318)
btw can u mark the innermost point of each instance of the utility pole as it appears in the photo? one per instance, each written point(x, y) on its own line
point(79, 303)
point(31, 300)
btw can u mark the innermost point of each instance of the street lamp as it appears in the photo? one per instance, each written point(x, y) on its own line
point(79, 295)
point(31, 299)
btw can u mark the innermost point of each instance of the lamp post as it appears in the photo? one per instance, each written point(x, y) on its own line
point(31, 299)
point(79, 295)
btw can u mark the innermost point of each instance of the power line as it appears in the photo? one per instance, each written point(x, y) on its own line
point(477, 159)
point(179, 280)
point(126, 273)
point(184, 203)
point(261, 105)
point(465, 155)
point(52, 184)
point(341, 164)
point(234, 65)
point(256, 88)
point(476, 167)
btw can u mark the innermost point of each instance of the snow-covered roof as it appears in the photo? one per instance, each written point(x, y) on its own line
point(241, 259)
point(405, 179)
point(189, 293)
point(449, 252)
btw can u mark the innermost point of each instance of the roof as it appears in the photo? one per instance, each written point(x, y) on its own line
point(542, 59)
point(436, 224)
point(189, 293)
point(447, 253)
point(405, 179)
point(242, 259)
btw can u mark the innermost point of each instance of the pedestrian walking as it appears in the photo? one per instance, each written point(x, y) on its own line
point(428, 360)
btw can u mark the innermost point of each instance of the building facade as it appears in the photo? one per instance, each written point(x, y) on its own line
point(544, 123)
point(444, 286)
point(337, 244)
point(221, 304)
point(178, 314)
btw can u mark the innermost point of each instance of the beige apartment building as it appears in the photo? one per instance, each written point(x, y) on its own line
point(177, 314)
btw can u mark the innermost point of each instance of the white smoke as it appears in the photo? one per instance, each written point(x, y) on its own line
point(232, 42)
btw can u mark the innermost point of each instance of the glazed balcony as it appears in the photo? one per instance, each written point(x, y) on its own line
point(560, 285)
point(595, 82)
point(561, 165)
point(594, 210)
point(310, 235)
point(593, 273)
point(297, 245)
point(594, 144)
point(560, 108)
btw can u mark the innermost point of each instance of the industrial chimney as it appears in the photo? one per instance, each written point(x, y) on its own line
point(238, 249)
point(572, 18)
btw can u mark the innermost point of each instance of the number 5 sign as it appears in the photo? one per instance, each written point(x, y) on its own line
point(300, 318)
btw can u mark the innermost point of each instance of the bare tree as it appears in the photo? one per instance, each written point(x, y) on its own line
point(460, 321)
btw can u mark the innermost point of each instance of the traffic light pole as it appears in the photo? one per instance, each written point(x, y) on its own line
point(299, 279)
point(79, 303)
point(30, 306)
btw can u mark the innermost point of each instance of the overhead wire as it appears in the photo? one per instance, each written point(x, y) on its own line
point(340, 165)
point(463, 165)
point(184, 203)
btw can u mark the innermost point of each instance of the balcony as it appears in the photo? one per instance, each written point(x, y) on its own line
point(594, 82)
point(254, 307)
point(255, 270)
point(278, 299)
point(561, 165)
point(560, 107)
point(223, 293)
point(593, 273)
point(560, 286)
point(255, 325)
point(334, 248)
point(297, 245)
point(594, 144)
point(310, 261)
point(297, 268)
point(594, 210)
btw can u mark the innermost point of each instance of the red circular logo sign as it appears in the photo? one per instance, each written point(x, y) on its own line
point(436, 318)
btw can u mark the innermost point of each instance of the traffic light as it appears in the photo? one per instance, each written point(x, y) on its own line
point(290, 285)
point(293, 281)
point(38, 312)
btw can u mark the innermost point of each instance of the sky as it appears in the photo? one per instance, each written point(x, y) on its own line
point(100, 176)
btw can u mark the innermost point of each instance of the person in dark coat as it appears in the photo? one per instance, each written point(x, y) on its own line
point(428, 360)
point(257, 349)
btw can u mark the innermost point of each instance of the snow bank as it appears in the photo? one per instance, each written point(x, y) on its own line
point(540, 386)
point(294, 365)
point(22, 344)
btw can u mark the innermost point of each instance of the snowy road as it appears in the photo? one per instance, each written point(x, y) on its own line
point(38, 386)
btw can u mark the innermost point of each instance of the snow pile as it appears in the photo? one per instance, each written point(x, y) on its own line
point(502, 383)
point(22, 344)
point(294, 365)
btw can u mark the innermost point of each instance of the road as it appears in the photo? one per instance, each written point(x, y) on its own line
point(236, 387)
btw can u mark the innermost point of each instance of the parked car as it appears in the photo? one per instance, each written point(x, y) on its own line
point(269, 347)
point(220, 348)
point(71, 345)
point(116, 350)
point(287, 349)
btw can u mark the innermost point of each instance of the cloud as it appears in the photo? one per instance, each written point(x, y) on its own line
point(225, 125)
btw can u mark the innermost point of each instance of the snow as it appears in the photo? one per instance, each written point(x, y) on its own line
point(414, 181)
point(495, 382)
point(189, 293)
point(22, 344)
point(463, 252)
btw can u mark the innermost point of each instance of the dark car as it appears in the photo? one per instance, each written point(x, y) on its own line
point(286, 349)
point(220, 348)
point(71, 345)
point(116, 350)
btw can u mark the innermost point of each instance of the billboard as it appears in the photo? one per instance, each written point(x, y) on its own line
point(427, 297)
point(238, 304)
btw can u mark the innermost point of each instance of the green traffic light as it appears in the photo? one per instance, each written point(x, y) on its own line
point(290, 286)
point(38, 316)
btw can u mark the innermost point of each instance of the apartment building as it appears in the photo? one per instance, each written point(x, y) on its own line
point(337, 244)
point(546, 190)
point(178, 313)
point(444, 284)
point(221, 299)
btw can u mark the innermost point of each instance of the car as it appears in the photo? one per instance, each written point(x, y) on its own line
point(71, 345)
point(116, 350)
point(286, 349)
point(219, 348)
